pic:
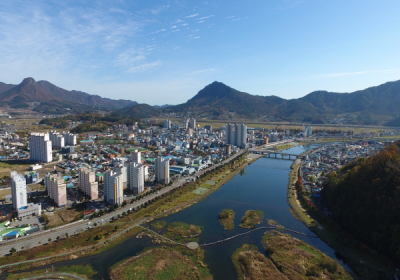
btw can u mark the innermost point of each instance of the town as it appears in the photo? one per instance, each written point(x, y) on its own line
point(93, 172)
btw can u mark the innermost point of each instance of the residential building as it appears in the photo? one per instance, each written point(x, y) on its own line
point(192, 123)
point(18, 190)
point(136, 177)
point(56, 188)
point(57, 140)
point(167, 124)
point(161, 170)
point(236, 134)
point(113, 188)
point(69, 139)
point(307, 131)
point(136, 156)
point(40, 147)
point(88, 184)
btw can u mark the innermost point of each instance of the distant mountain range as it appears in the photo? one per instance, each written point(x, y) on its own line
point(368, 106)
point(45, 97)
point(374, 105)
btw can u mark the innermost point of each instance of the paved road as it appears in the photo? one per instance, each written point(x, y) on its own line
point(43, 237)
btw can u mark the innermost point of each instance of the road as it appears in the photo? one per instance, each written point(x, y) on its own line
point(42, 237)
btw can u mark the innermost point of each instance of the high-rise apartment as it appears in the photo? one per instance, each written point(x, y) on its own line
point(161, 170)
point(18, 190)
point(40, 147)
point(113, 188)
point(192, 123)
point(69, 138)
point(56, 188)
point(88, 184)
point(167, 124)
point(236, 134)
point(136, 176)
point(57, 140)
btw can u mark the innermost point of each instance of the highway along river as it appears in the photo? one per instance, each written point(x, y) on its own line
point(261, 186)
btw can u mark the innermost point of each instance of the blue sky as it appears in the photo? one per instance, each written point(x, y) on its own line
point(164, 52)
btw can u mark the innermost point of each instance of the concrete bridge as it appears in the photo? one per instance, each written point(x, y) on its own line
point(275, 154)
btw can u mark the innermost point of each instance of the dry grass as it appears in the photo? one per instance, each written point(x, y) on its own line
point(298, 260)
point(252, 265)
point(163, 264)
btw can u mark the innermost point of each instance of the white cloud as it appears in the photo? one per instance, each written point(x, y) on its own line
point(335, 75)
point(184, 24)
point(145, 67)
point(205, 17)
point(191, 16)
point(201, 71)
point(161, 30)
point(201, 21)
point(173, 27)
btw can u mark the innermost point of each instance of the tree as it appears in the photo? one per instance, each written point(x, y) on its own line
point(49, 239)
point(13, 250)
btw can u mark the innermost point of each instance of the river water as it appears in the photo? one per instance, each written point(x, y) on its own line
point(261, 186)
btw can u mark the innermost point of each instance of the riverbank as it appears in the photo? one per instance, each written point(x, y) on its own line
point(356, 255)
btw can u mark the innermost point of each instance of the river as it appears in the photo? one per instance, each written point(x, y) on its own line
point(261, 186)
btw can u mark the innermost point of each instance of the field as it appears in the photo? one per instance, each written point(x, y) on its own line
point(163, 264)
point(22, 166)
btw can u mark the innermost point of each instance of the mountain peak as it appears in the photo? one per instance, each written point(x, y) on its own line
point(28, 81)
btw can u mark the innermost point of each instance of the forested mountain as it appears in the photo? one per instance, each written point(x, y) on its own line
point(45, 97)
point(364, 197)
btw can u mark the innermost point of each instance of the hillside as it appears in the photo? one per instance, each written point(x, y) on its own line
point(45, 97)
point(139, 111)
point(364, 197)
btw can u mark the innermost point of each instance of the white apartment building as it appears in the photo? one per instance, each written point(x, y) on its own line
point(113, 188)
point(136, 177)
point(56, 188)
point(307, 131)
point(40, 147)
point(167, 124)
point(136, 156)
point(88, 184)
point(192, 123)
point(18, 190)
point(69, 138)
point(161, 170)
point(57, 140)
point(236, 134)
